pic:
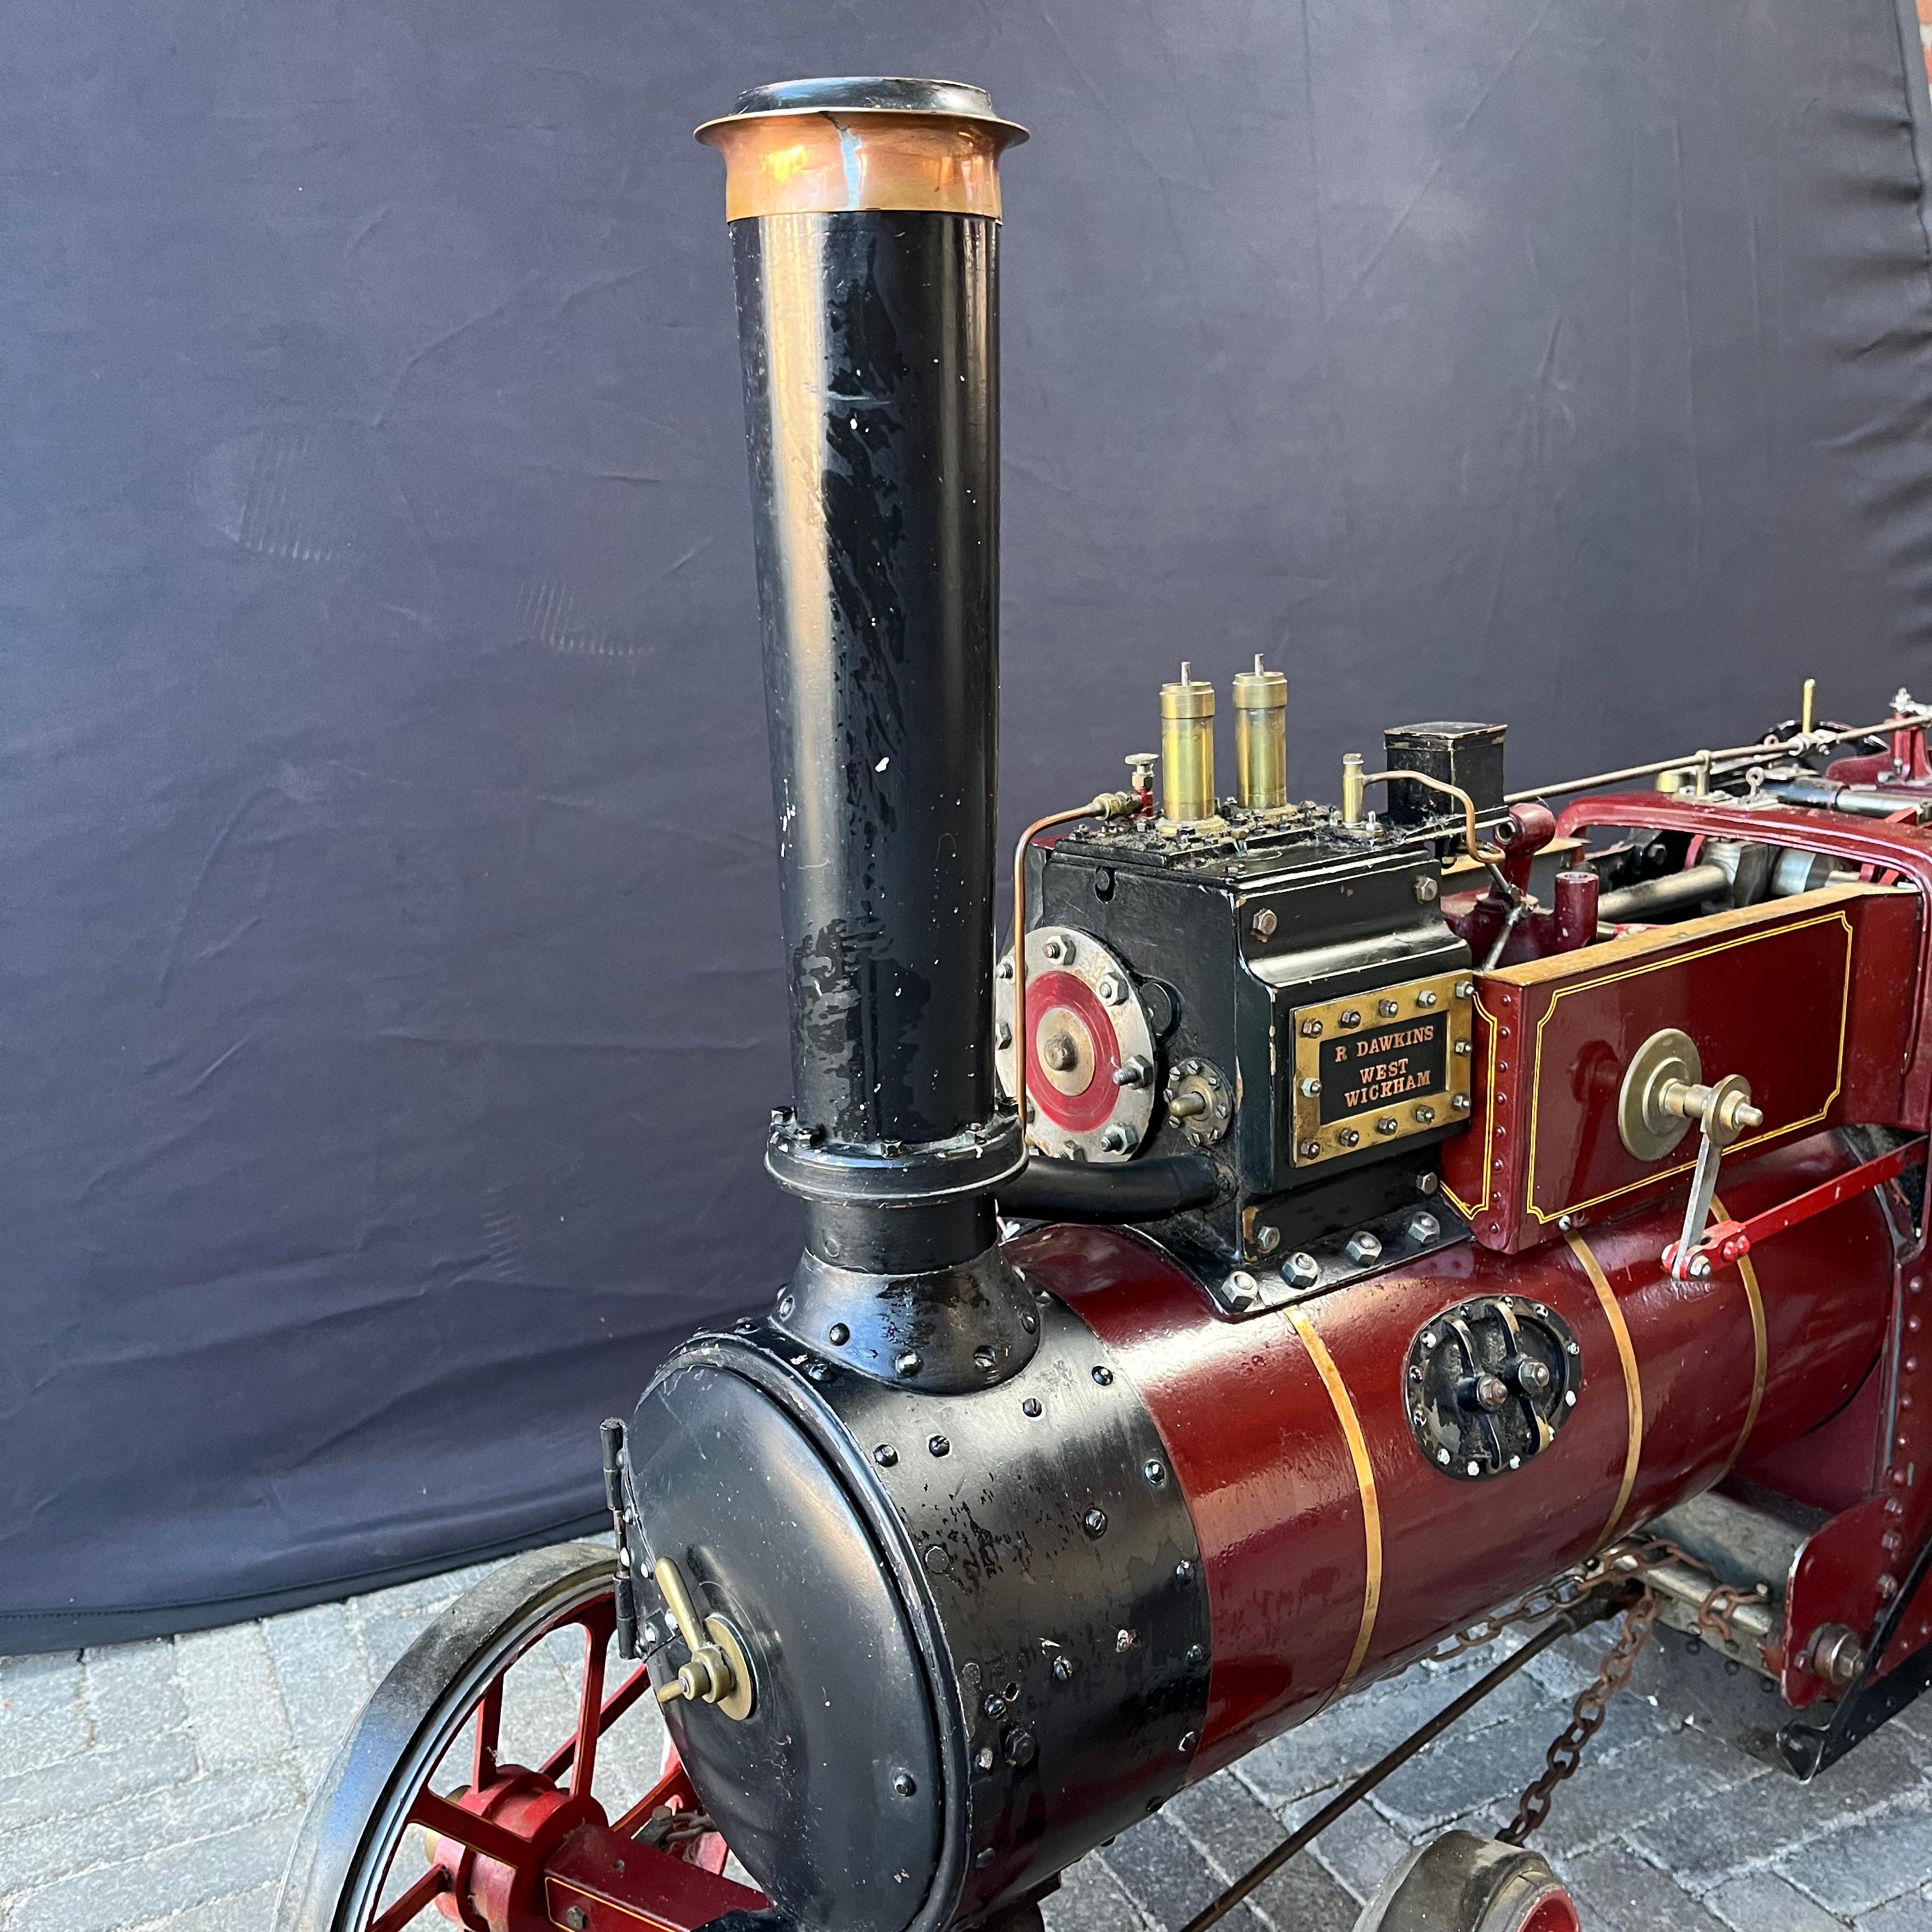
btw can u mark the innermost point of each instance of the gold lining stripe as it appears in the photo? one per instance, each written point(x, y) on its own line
point(1365, 1483)
point(1470, 1213)
point(1755, 1297)
point(1633, 1382)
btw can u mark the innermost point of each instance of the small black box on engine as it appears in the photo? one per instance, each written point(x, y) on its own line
point(1469, 756)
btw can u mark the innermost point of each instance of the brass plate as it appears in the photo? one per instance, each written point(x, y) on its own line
point(1382, 1075)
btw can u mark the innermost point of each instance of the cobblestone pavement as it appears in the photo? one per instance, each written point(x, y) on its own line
point(158, 1785)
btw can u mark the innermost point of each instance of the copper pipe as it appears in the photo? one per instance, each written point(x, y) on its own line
point(1455, 792)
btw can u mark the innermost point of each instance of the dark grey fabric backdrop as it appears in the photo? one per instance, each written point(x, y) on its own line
point(391, 998)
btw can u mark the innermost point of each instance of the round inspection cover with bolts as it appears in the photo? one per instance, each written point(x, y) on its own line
point(1459, 1882)
point(1090, 1079)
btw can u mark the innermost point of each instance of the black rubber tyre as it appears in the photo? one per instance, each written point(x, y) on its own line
point(360, 1813)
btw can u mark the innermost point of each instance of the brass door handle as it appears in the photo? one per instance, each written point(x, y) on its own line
point(718, 1673)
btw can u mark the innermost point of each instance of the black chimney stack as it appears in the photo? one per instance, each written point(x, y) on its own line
point(865, 226)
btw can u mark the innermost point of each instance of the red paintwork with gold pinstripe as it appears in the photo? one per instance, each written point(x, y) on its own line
point(1263, 1457)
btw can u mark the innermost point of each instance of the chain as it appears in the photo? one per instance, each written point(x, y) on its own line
point(1632, 1560)
point(1586, 1718)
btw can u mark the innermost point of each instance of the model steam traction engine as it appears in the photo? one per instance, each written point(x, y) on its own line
point(1328, 1223)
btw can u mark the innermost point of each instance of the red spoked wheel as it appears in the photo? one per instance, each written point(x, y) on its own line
point(509, 1846)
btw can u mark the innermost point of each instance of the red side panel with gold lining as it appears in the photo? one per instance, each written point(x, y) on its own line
point(1809, 998)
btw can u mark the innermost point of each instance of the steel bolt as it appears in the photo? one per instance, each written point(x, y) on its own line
point(1426, 888)
point(1311, 1086)
point(576, 1918)
point(1019, 1747)
point(1424, 1227)
point(1349, 1138)
point(1533, 1376)
point(1388, 1124)
point(937, 1559)
point(1029, 1322)
point(1388, 1009)
point(1031, 1406)
point(1155, 1471)
point(1303, 1268)
point(1120, 1138)
point(983, 1757)
point(983, 1857)
point(1188, 1740)
point(938, 1445)
point(1491, 1392)
point(839, 1334)
point(1003, 1036)
point(1094, 1523)
point(1425, 999)
point(885, 1455)
point(1137, 1071)
point(1311, 1029)
point(1057, 950)
point(1461, 1103)
point(904, 1784)
point(1310, 1149)
point(1006, 969)
point(1425, 1114)
point(995, 1706)
point(984, 1357)
point(1064, 1669)
point(1183, 1570)
point(1125, 1639)
point(1195, 1655)
point(1264, 924)
point(1363, 1246)
point(1267, 1239)
point(1350, 1017)
point(1113, 989)
point(1104, 1376)
point(786, 1304)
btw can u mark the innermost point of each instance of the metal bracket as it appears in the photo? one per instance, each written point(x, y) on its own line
point(1348, 1254)
point(1723, 1112)
point(1808, 1748)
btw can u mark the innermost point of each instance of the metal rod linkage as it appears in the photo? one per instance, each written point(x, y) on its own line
point(1791, 747)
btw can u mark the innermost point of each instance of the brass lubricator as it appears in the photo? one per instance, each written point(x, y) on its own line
point(1187, 750)
point(1260, 738)
point(719, 1673)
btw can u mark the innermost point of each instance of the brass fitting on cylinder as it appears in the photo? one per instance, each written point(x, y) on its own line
point(1260, 738)
point(1187, 750)
point(1352, 775)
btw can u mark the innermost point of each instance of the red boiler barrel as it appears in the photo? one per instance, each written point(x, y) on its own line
point(1334, 1549)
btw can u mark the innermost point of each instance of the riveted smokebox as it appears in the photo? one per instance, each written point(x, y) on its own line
point(864, 227)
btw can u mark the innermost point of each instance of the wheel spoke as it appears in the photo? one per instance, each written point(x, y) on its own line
point(445, 1820)
point(589, 1714)
point(489, 1723)
point(431, 1884)
point(619, 1701)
